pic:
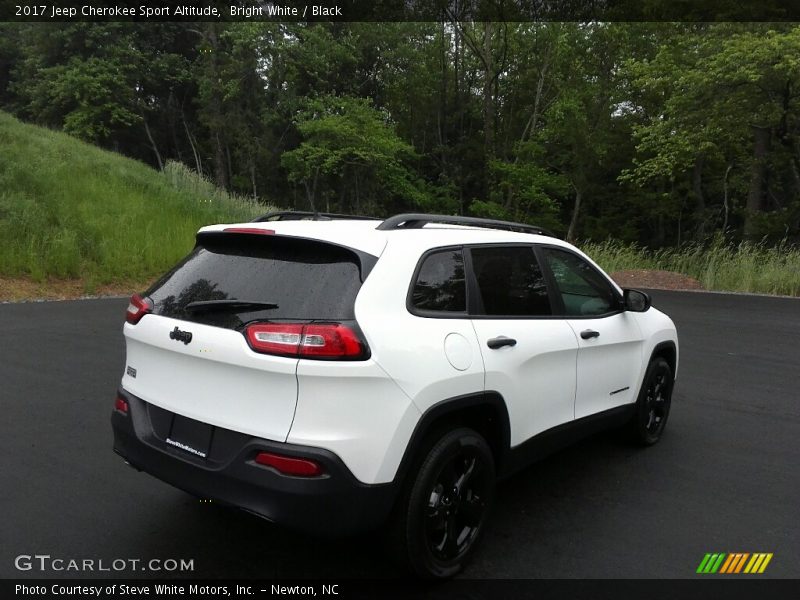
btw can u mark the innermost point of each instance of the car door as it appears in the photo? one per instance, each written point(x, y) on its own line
point(610, 341)
point(529, 356)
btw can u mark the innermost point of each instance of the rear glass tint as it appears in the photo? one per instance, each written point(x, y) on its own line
point(306, 279)
point(440, 284)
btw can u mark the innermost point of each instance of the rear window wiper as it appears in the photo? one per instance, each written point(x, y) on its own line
point(228, 304)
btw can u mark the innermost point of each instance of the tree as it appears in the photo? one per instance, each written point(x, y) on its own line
point(728, 94)
point(351, 157)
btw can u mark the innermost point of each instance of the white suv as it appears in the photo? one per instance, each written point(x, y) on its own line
point(333, 374)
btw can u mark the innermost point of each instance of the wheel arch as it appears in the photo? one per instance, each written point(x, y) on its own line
point(485, 412)
point(668, 351)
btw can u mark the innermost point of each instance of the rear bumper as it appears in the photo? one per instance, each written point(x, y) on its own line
point(335, 503)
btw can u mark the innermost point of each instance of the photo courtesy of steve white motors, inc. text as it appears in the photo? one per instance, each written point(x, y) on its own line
point(171, 589)
point(53, 11)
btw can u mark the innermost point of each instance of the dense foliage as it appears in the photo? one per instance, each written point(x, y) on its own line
point(654, 133)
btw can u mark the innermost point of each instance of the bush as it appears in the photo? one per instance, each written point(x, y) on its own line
point(744, 267)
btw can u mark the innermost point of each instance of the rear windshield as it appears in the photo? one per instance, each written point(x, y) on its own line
point(305, 279)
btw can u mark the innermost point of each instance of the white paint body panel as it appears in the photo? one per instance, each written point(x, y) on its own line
point(536, 377)
point(355, 410)
point(408, 347)
point(608, 365)
point(216, 378)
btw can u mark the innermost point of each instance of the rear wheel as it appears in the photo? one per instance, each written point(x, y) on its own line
point(443, 511)
point(653, 404)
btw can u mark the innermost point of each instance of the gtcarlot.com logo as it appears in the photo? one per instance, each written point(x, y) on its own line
point(46, 562)
point(734, 562)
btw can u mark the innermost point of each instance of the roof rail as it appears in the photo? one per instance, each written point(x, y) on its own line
point(418, 220)
point(298, 215)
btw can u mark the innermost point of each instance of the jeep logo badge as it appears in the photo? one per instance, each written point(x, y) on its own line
point(181, 336)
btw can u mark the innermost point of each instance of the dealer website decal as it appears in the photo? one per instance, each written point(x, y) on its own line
point(736, 562)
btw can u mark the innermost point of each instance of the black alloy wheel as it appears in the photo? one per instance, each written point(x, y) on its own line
point(456, 505)
point(446, 505)
point(653, 404)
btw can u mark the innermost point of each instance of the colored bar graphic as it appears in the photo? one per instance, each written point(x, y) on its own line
point(735, 561)
point(765, 563)
point(703, 563)
point(720, 562)
point(717, 563)
point(727, 564)
point(754, 563)
point(740, 564)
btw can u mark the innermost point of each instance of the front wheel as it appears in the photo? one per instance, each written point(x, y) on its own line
point(443, 512)
point(653, 404)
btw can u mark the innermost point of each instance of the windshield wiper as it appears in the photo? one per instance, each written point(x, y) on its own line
point(228, 305)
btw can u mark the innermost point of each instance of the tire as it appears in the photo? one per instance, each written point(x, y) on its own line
point(443, 510)
point(653, 404)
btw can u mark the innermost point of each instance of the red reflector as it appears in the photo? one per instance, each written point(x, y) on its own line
point(312, 340)
point(121, 405)
point(287, 465)
point(255, 230)
point(137, 308)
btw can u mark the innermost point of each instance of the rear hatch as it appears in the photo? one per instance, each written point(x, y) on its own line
point(189, 353)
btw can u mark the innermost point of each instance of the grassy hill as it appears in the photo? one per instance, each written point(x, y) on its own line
point(71, 211)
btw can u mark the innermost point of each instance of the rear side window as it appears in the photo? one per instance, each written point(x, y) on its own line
point(305, 279)
point(510, 282)
point(440, 285)
point(585, 292)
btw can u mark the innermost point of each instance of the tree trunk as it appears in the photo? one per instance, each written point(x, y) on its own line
point(153, 144)
point(342, 208)
point(220, 168)
point(725, 205)
point(253, 179)
point(443, 92)
point(530, 126)
point(573, 222)
point(173, 130)
point(697, 187)
point(198, 163)
point(358, 195)
point(229, 164)
point(488, 79)
point(311, 190)
point(758, 174)
point(217, 120)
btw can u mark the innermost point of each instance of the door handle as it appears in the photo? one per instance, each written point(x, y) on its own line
point(588, 334)
point(501, 341)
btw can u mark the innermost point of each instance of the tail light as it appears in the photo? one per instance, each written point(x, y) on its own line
point(137, 308)
point(302, 467)
point(307, 340)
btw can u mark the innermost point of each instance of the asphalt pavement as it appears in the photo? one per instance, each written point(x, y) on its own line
point(724, 478)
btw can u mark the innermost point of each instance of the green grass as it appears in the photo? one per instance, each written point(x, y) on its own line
point(71, 210)
point(743, 267)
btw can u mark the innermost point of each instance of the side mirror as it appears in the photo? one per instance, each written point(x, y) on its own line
point(636, 301)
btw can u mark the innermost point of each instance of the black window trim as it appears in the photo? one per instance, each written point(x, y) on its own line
point(473, 295)
point(553, 284)
point(472, 291)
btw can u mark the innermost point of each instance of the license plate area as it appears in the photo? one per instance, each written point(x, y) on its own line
point(190, 436)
